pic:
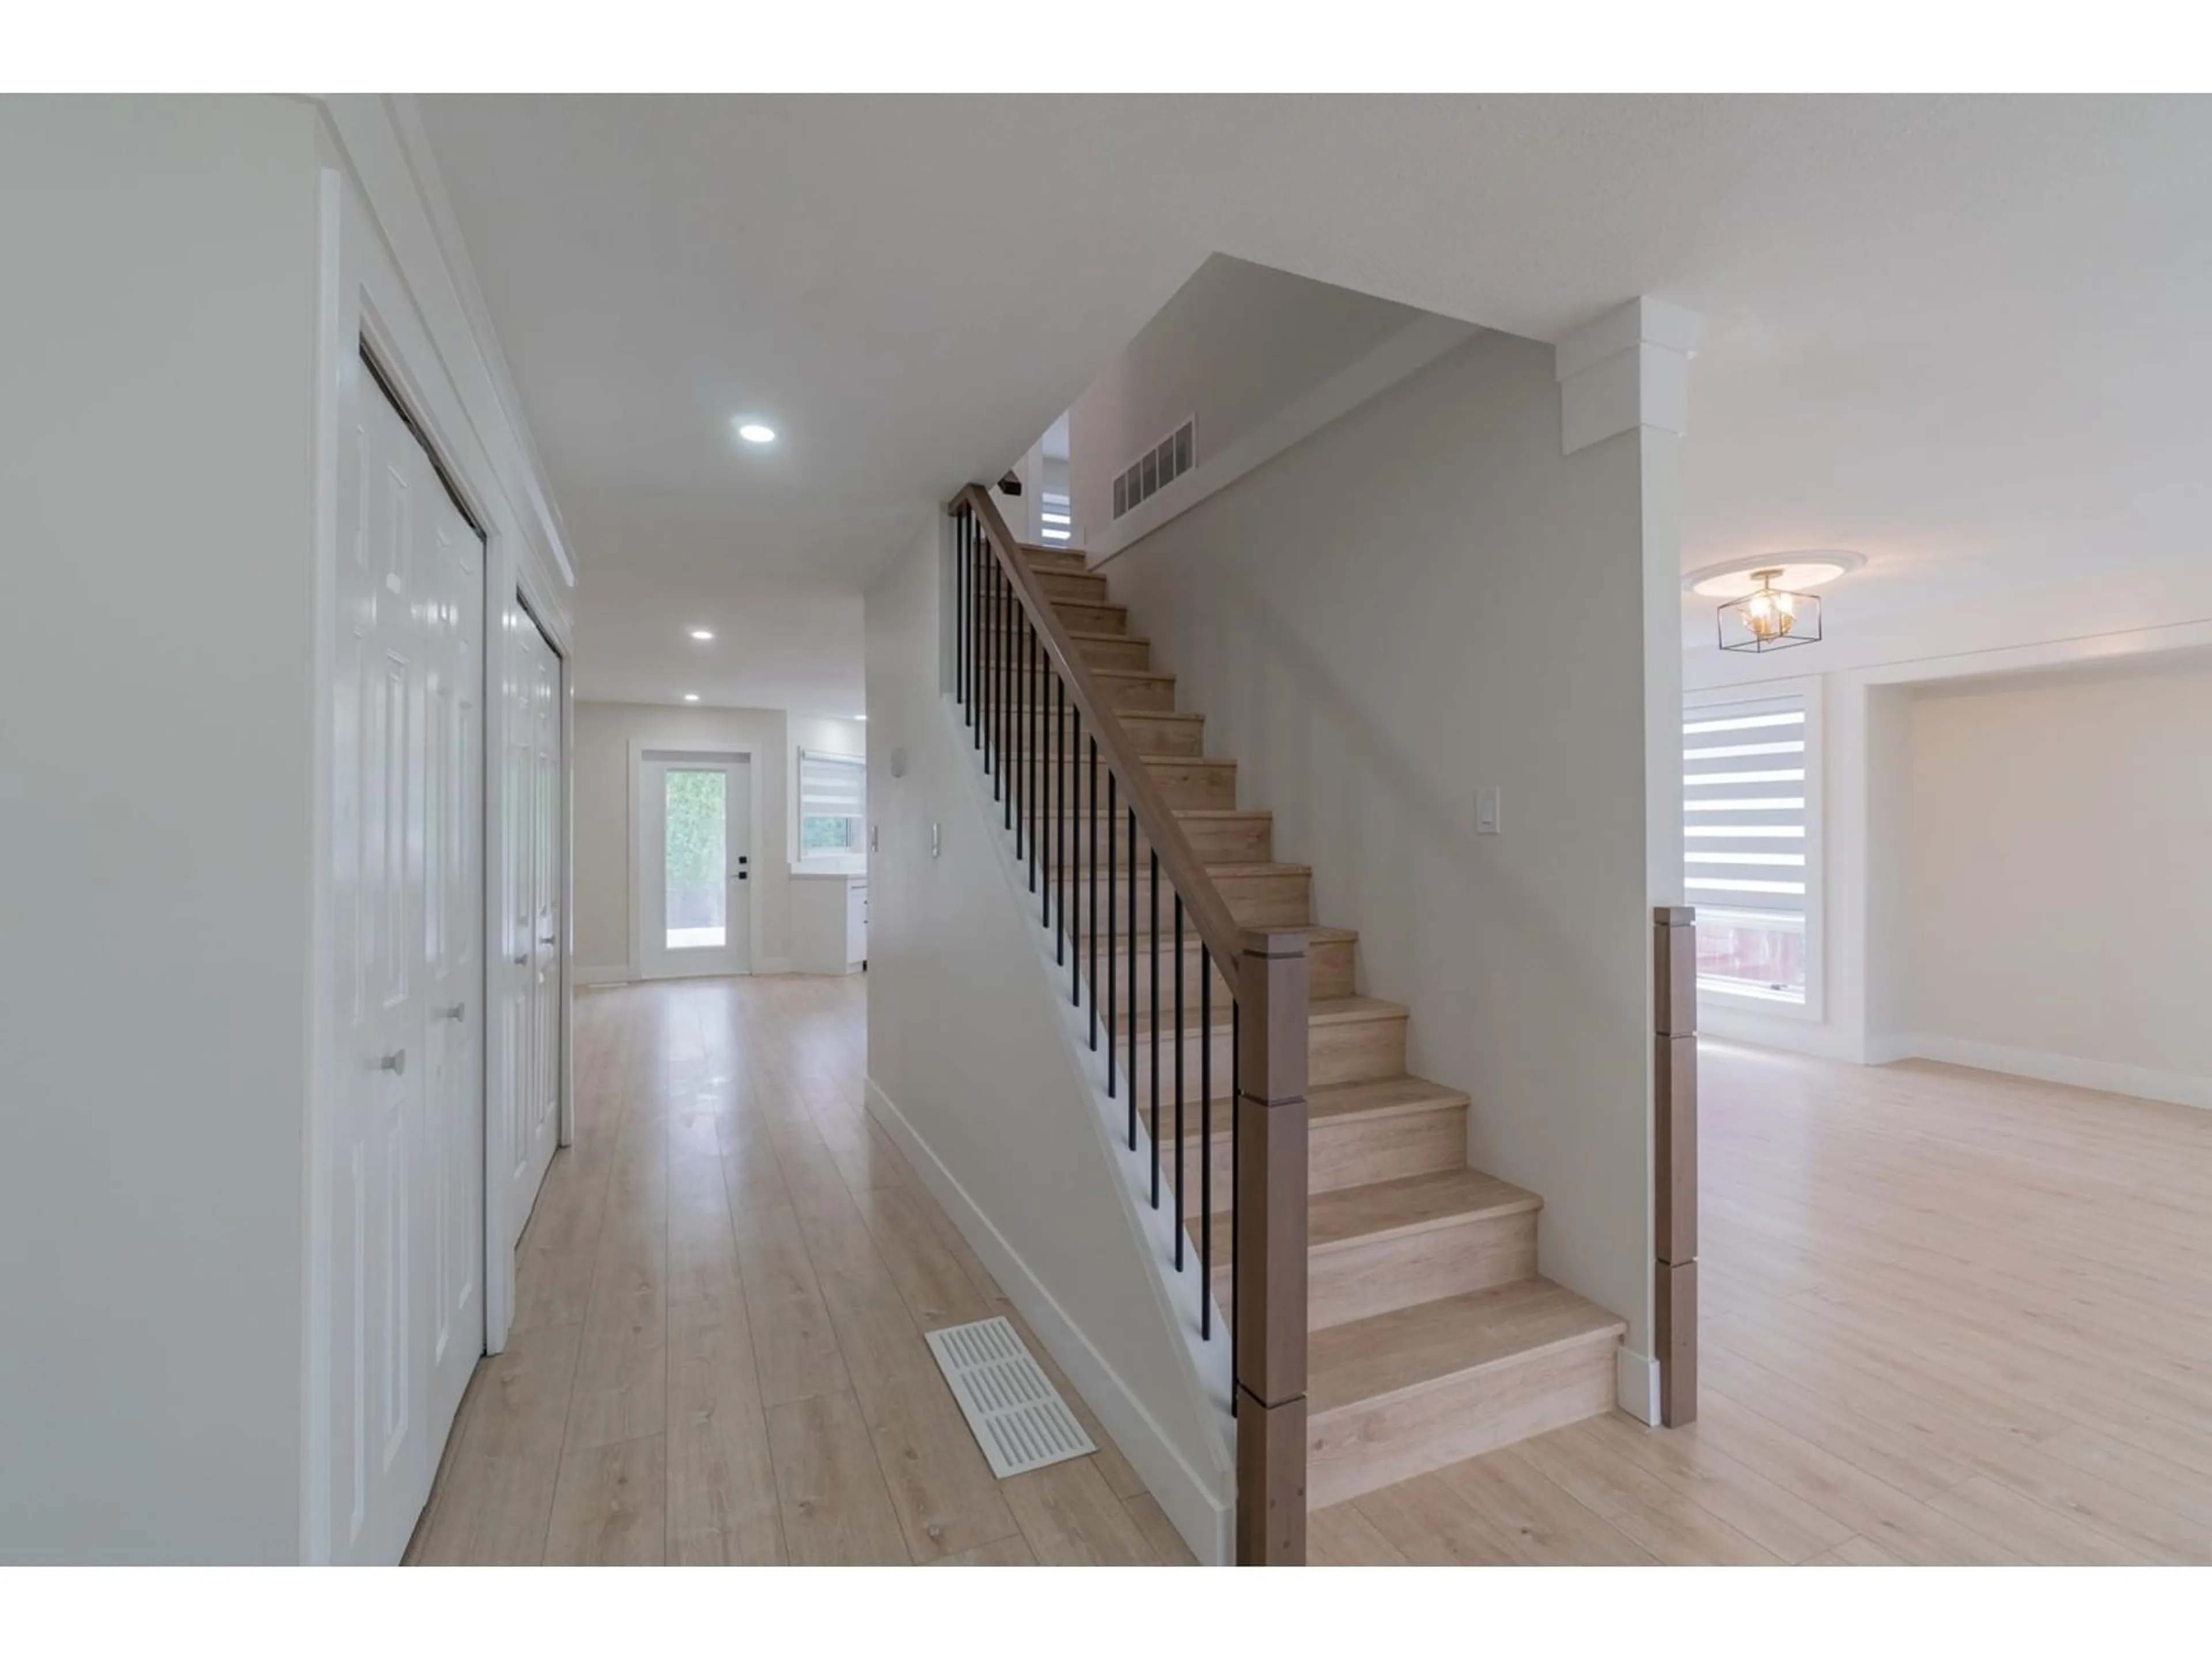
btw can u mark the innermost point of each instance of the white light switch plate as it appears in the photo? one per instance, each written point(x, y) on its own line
point(1485, 809)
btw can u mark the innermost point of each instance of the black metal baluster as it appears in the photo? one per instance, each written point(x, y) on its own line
point(1005, 693)
point(1156, 977)
point(1205, 1204)
point(975, 637)
point(1024, 758)
point(960, 611)
point(1033, 694)
point(1110, 816)
point(1091, 880)
point(1205, 1105)
point(1178, 1028)
point(1074, 904)
point(1132, 966)
point(1059, 762)
point(1206, 1038)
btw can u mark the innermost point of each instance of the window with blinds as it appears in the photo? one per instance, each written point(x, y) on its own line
point(1747, 843)
point(833, 802)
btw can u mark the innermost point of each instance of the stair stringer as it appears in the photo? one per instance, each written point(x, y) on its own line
point(1041, 1183)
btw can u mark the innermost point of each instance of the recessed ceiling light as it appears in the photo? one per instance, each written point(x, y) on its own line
point(690, 697)
point(1739, 579)
point(756, 432)
point(702, 633)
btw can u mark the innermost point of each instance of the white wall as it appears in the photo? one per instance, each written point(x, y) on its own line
point(1423, 598)
point(604, 818)
point(2061, 893)
point(974, 1062)
point(158, 329)
point(1235, 345)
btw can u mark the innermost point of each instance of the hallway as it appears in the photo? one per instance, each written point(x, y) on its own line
point(717, 1354)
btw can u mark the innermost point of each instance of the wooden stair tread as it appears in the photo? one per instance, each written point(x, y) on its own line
point(1394, 1209)
point(1324, 1011)
point(1385, 1098)
point(1412, 1348)
point(1231, 869)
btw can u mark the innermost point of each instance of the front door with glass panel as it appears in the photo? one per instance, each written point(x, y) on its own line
point(695, 877)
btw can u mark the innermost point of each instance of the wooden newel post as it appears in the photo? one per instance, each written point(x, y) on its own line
point(1675, 1209)
point(1270, 1251)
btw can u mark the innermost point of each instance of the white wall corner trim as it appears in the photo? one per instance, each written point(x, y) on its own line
point(1191, 1501)
point(1629, 368)
point(1636, 1378)
point(1411, 348)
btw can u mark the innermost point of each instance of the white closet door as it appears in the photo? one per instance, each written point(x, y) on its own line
point(453, 954)
point(406, 1290)
point(532, 1029)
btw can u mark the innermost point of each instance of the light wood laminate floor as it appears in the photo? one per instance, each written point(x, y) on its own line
point(1948, 1317)
point(717, 1355)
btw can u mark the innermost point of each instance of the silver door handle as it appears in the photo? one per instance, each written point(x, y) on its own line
point(522, 960)
point(395, 1062)
point(458, 1011)
point(547, 939)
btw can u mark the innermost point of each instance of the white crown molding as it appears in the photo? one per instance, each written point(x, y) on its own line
point(1630, 369)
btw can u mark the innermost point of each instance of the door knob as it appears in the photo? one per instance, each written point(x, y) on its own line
point(458, 1011)
point(546, 938)
point(522, 960)
point(395, 1062)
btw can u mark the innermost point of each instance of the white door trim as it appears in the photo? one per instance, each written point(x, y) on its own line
point(747, 752)
point(364, 295)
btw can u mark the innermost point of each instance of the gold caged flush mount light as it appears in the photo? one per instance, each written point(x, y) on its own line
point(1764, 605)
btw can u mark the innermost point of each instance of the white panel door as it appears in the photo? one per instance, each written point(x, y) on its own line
point(453, 954)
point(406, 1286)
point(693, 845)
point(534, 916)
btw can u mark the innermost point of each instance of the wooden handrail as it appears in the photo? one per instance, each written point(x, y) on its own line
point(1202, 901)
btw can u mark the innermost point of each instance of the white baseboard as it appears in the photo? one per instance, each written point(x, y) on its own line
point(1636, 1381)
point(1187, 1498)
point(776, 965)
point(621, 976)
point(1885, 1050)
point(2175, 1088)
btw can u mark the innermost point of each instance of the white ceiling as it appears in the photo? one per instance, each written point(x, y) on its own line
point(1964, 337)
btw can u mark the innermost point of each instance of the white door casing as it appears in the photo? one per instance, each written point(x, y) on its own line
point(406, 1277)
point(679, 931)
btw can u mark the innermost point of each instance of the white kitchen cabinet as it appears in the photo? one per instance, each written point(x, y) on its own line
point(829, 922)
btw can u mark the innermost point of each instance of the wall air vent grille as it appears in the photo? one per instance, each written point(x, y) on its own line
point(1015, 1414)
point(1156, 468)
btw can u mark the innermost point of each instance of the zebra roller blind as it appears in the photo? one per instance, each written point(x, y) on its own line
point(833, 801)
point(1746, 841)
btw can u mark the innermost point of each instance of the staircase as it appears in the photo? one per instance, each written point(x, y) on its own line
point(1432, 1337)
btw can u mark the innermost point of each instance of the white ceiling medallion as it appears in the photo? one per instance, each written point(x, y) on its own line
point(1738, 579)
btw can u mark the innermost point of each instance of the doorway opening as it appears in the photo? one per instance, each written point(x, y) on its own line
point(691, 857)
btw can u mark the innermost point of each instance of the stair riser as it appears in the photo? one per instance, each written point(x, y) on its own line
point(1348, 1051)
point(1097, 653)
point(1378, 1276)
point(1042, 559)
point(1147, 695)
point(1183, 780)
point(1059, 584)
point(1246, 840)
point(1358, 1151)
point(1081, 618)
point(1154, 734)
point(1328, 973)
point(1270, 901)
point(1357, 1449)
